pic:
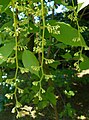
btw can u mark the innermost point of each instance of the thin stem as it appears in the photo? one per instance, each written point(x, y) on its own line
point(43, 34)
point(16, 45)
point(83, 13)
point(78, 27)
point(49, 48)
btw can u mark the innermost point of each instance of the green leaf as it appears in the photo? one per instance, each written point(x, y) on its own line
point(4, 4)
point(68, 35)
point(57, 1)
point(50, 89)
point(0, 39)
point(9, 12)
point(61, 45)
point(5, 51)
point(51, 97)
point(84, 65)
point(34, 28)
point(55, 64)
point(29, 60)
point(67, 56)
point(42, 104)
point(8, 24)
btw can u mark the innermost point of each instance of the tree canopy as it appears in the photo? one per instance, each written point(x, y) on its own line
point(42, 53)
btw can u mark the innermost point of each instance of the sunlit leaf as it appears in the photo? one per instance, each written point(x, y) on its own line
point(68, 35)
point(29, 60)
